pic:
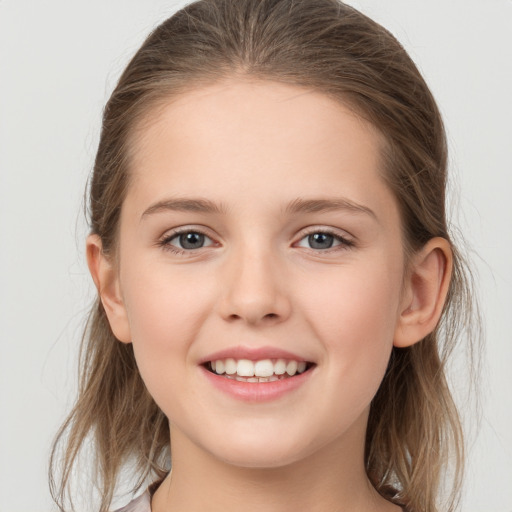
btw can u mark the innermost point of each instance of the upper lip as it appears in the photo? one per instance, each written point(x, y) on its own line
point(252, 354)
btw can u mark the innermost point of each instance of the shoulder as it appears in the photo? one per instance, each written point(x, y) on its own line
point(143, 502)
point(140, 504)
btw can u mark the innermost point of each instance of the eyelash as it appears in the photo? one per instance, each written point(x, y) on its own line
point(344, 243)
point(166, 245)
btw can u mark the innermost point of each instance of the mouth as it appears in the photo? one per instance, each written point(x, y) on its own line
point(261, 371)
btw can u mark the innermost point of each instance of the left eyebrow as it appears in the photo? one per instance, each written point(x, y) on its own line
point(184, 205)
point(301, 205)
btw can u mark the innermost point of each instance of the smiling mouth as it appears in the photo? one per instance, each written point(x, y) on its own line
point(264, 370)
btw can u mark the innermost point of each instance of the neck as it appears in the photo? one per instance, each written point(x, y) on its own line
point(332, 479)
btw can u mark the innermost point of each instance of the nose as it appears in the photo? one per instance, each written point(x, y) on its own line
point(254, 289)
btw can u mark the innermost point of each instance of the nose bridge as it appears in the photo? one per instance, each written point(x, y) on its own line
point(253, 288)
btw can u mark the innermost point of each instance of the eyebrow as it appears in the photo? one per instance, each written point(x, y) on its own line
point(184, 205)
point(324, 205)
point(299, 205)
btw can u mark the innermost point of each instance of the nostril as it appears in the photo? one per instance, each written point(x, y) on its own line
point(268, 316)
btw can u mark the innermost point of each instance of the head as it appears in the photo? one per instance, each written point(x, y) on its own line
point(340, 57)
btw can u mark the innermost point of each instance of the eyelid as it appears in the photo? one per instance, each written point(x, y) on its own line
point(170, 234)
point(345, 239)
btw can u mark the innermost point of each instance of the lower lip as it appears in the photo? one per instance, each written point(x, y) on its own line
point(257, 391)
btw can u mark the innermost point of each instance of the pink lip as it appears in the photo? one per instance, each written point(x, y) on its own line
point(256, 391)
point(253, 354)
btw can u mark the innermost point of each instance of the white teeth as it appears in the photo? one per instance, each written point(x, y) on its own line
point(219, 367)
point(291, 368)
point(265, 370)
point(230, 366)
point(245, 368)
point(280, 367)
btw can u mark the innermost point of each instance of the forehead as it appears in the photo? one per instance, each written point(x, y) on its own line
point(255, 138)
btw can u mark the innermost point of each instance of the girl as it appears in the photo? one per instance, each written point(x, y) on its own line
point(277, 288)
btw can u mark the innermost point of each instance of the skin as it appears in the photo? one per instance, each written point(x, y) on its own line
point(253, 148)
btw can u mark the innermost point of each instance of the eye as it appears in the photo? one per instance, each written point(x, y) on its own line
point(186, 241)
point(321, 240)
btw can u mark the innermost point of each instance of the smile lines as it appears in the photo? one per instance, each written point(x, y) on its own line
point(264, 370)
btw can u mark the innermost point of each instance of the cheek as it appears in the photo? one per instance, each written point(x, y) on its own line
point(163, 304)
point(165, 312)
point(354, 312)
point(163, 327)
point(356, 326)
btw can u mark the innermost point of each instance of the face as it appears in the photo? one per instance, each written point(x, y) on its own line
point(257, 231)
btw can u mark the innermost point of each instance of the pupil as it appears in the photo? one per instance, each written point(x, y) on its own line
point(191, 240)
point(320, 240)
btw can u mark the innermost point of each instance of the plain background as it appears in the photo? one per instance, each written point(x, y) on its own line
point(59, 60)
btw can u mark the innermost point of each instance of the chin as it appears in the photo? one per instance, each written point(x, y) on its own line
point(254, 450)
point(252, 459)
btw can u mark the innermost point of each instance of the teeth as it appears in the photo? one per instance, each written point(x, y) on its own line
point(264, 370)
point(280, 367)
point(291, 367)
point(244, 368)
point(230, 366)
point(219, 367)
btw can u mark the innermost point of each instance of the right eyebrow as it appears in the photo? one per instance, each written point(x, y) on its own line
point(301, 205)
point(184, 205)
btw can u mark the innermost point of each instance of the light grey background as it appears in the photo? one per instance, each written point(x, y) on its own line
point(58, 62)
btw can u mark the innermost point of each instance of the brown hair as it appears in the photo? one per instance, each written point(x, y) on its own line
point(324, 45)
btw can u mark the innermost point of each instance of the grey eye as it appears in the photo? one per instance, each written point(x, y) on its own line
point(320, 240)
point(190, 240)
point(323, 240)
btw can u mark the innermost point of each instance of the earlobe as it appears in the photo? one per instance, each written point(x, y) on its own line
point(106, 279)
point(425, 292)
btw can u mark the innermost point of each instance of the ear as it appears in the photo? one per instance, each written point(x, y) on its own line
point(106, 279)
point(425, 292)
